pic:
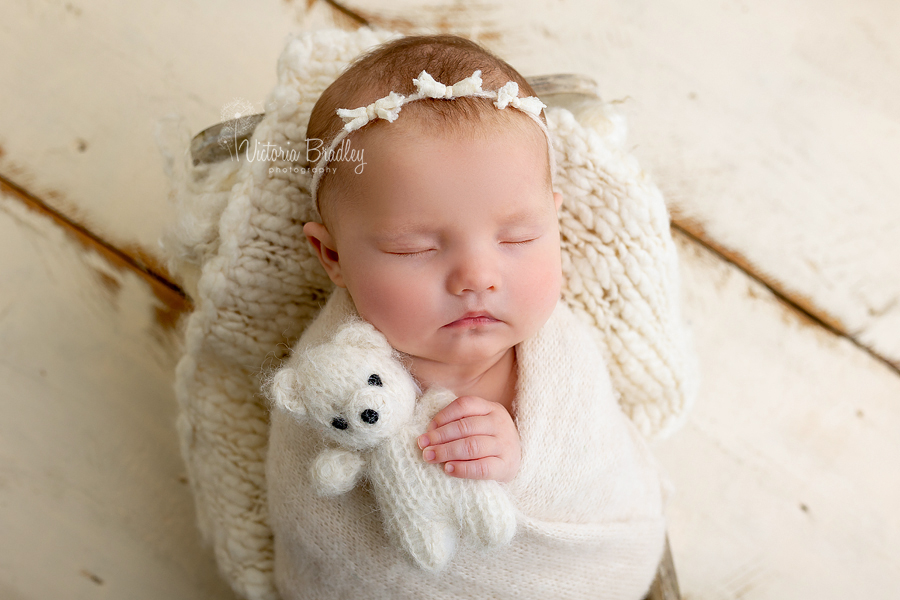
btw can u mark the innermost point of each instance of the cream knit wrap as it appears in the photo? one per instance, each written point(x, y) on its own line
point(239, 248)
point(587, 494)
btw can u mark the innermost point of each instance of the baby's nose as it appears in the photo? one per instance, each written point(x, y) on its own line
point(474, 272)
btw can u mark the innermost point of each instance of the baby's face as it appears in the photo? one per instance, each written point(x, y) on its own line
point(444, 226)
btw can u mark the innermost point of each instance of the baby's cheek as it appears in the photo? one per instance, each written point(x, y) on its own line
point(539, 290)
point(390, 300)
point(545, 276)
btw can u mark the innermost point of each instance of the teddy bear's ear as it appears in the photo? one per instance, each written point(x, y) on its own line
point(361, 334)
point(286, 392)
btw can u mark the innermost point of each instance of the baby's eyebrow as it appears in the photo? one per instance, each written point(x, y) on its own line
point(522, 216)
point(396, 231)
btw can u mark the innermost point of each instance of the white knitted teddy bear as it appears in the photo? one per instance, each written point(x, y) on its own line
point(355, 391)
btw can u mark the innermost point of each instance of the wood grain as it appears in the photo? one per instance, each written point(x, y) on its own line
point(93, 499)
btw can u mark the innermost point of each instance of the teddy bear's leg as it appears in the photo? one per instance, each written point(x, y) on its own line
point(431, 544)
point(411, 503)
point(487, 513)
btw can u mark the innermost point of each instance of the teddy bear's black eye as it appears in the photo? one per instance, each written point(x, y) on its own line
point(374, 379)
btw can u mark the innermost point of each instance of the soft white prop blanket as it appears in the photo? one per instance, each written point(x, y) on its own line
point(239, 249)
point(588, 493)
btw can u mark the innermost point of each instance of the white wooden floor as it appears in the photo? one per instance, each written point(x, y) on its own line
point(773, 129)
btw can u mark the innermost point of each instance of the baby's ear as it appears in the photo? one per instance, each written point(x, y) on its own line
point(286, 392)
point(324, 246)
point(362, 334)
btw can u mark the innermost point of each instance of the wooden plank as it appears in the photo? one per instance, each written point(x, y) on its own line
point(86, 81)
point(771, 127)
point(93, 497)
point(786, 479)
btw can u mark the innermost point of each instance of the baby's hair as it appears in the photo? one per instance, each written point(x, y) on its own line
point(392, 66)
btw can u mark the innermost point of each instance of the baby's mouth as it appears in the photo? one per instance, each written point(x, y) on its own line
point(473, 318)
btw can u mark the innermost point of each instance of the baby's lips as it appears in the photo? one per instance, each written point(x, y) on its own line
point(474, 314)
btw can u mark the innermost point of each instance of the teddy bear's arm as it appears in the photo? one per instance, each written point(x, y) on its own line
point(336, 471)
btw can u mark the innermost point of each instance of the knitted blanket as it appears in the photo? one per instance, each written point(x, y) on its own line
point(588, 493)
point(239, 249)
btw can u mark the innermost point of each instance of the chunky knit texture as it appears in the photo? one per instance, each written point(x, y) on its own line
point(239, 249)
point(353, 390)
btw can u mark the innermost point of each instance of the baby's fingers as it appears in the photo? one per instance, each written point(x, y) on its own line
point(471, 448)
point(456, 430)
point(464, 406)
point(490, 467)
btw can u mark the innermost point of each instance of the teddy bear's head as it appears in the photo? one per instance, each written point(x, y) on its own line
point(352, 388)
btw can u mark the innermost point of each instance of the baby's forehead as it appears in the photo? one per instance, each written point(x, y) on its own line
point(417, 127)
point(404, 136)
point(481, 121)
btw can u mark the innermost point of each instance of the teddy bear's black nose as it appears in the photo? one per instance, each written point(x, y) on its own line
point(369, 416)
point(339, 423)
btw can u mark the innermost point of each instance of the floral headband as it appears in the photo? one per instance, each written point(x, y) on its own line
point(388, 108)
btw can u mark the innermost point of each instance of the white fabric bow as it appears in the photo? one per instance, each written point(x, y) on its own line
point(430, 88)
point(384, 108)
point(508, 95)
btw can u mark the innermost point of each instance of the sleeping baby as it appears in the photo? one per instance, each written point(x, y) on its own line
point(440, 229)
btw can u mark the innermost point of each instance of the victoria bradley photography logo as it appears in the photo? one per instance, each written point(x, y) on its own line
point(235, 136)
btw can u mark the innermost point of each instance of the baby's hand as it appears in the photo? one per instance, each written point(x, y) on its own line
point(475, 438)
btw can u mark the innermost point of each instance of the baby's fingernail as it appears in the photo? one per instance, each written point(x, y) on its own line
point(429, 455)
point(422, 441)
point(448, 468)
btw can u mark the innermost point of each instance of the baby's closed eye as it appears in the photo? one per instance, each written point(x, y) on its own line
point(414, 252)
point(519, 242)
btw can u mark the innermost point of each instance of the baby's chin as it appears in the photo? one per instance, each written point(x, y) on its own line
point(463, 348)
point(459, 356)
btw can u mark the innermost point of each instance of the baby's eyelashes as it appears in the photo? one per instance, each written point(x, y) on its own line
point(429, 250)
point(413, 253)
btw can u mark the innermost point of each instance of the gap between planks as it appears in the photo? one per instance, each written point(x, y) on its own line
point(805, 308)
point(168, 292)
